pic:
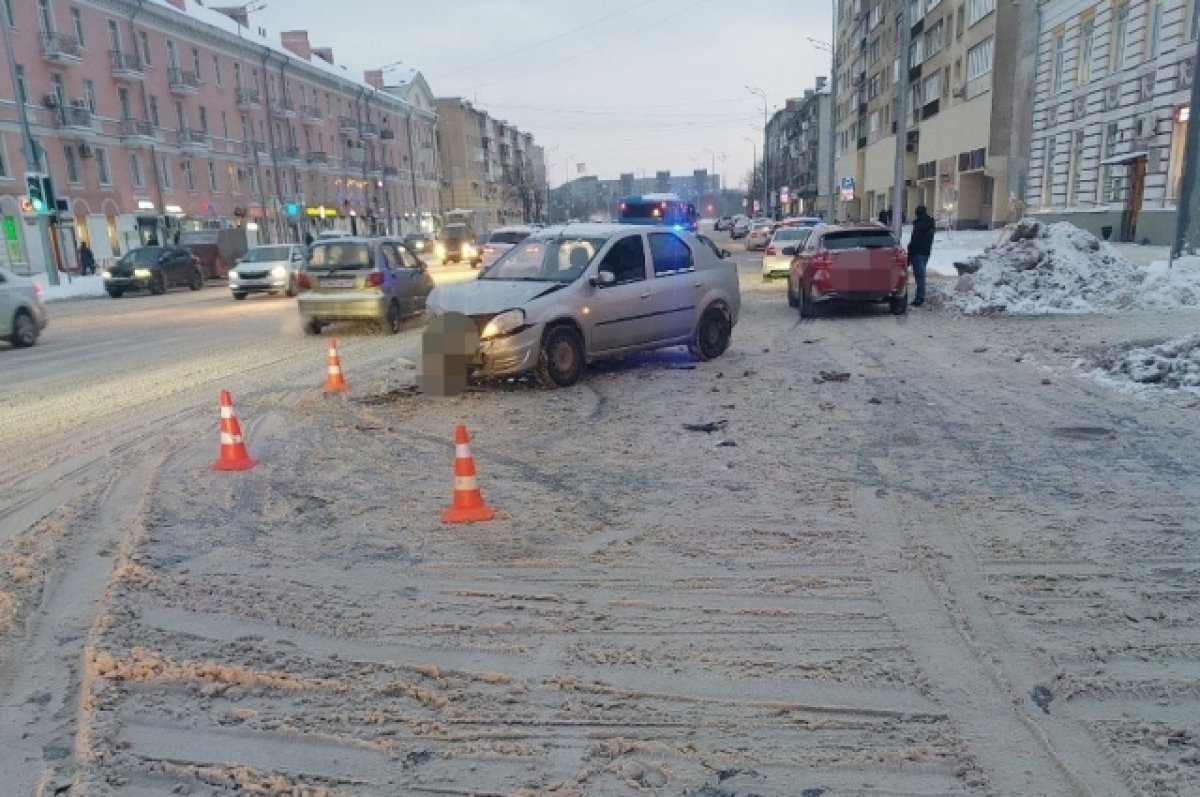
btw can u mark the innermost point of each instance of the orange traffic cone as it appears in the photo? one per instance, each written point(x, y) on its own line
point(335, 382)
point(468, 505)
point(233, 451)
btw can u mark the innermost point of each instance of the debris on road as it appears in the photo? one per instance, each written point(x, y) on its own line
point(708, 426)
point(1173, 365)
point(832, 376)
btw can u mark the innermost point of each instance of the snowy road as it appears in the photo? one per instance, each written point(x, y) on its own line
point(964, 568)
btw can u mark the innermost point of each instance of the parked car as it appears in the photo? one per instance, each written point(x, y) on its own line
point(501, 240)
point(760, 233)
point(457, 244)
point(216, 250)
point(722, 223)
point(777, 257)
point(268, 269)
point(567, 296)
point(154, 269)
point(739, 228)
point(355, 278)
point(22, 314)
point(860, 263)
point(325, 235)
point(799, 221)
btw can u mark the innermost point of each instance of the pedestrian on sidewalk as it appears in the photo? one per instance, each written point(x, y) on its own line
point(920, 247)
point(87, 260)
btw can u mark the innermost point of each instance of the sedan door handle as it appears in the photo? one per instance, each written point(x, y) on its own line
point(645, 296)
point(697, 284)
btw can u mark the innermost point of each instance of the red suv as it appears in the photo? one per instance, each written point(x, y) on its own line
point(858, 263)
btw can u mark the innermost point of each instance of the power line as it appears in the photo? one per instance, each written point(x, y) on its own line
point(540, 42)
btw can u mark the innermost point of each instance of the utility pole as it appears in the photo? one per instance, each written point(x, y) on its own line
point(833, 120)
point(1187, 226)
point(766, 146)
point(32, 159)
point(898, 190)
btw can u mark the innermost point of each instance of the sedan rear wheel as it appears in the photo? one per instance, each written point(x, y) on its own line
point(711, 338)
point(25, 331)
point(792, 300)
point(239, 296)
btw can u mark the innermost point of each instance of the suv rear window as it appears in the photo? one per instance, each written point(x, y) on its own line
point(510, 237)
point(858, 239)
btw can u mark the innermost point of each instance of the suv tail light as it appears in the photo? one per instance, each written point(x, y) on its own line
point(770, 250)
point(900, 257)
point(375, 279)
point(302, 281)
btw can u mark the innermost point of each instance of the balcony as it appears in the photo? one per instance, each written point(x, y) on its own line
point(391, 171)
point(248, 99)
point(253, 147)
point(194, 141)
point(126, 66)
point(311, 115)
point(290, 155)
point(60, 49)
point(317, 159)
point(77, 118)
point(356, 157)
point(283, 109)
point(348, 125)
point(369, 130)
point(136, 133)
point(183, 82)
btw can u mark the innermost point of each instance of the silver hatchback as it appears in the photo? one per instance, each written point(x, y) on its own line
point(268, 269)
point(566, 296)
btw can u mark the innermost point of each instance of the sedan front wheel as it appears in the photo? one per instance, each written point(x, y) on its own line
point(560, 362)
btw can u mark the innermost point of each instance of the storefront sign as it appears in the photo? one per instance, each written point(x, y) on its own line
point(847, 189)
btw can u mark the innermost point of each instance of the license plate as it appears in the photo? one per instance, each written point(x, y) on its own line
point(334, 282)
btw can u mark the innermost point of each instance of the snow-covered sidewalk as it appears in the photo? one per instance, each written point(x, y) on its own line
point(74, 287)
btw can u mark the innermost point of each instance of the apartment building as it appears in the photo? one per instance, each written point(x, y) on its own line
point(489, 165)
point(798, 154)
point(1110, 114)
point(159, 115)
point(960, 158)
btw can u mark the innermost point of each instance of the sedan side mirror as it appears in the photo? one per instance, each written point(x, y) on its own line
point(789, 251)
point(603, 278)
point(726, 253)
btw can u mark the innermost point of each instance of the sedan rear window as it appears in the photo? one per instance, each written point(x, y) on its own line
point(858, 239)
point(792, 233)
point(341, 255)
point(508, 237)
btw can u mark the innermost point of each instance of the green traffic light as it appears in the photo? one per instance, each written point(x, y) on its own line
point(38, 204)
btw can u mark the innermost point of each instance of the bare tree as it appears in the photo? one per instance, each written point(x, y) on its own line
point(519, 187)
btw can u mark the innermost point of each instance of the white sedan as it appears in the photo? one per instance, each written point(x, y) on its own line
point(777, 258)
point(22, 314)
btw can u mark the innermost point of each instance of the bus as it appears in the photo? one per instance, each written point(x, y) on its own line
point(666, 210)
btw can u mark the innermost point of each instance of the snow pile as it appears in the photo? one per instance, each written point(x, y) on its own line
point(75, 287)
point(1059, 268)
point(1174, 364)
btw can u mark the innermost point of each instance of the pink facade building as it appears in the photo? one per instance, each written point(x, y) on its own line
point(162, 115)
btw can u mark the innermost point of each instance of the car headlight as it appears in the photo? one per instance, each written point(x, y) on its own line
point(419, 245)
point(143, 273)
point(504, 324)
point(106, 274)
point(440, 250)
point(279, 272)
point(468, 250)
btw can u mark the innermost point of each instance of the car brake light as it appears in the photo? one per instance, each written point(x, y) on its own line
point(487, 250)
point(375, 279)
point(770, 250)
point(302, 281)
point(900, 258)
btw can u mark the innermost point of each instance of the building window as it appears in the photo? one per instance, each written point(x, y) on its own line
point(1048, 173)
point(931, 88)
point(144, 38)
point(45, 18)
point(77, 25)
point(3, 160)
point(154, 111)
point(933, 40)
point(89, 95)
point(978, 9)
point(225, 124)
point(1178, 142)
point(164, 172)
point(1154, 20)
point(189, 179)
point(1087, 41)
point(101, 157)
point(1120, 35)
point(1194, 28)
point(114, 36)
point(21, 84)
point(196, 63)
point(960, 22)
point(234, 183)
point(72, 164)
point(1110, 184)
point(1076, 176)
point(873, 124)
point(1056, 80)
point(217, 70)
point(203, 119)
point(979, 58)
point(135, 170)
point(212, 177)
point(8, 14)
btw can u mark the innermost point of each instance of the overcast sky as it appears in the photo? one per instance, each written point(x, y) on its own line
point(617, 85)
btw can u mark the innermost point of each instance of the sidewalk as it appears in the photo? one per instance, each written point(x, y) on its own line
point(76, 287)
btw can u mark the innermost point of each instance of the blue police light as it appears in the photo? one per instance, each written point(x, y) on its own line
point(678, 228)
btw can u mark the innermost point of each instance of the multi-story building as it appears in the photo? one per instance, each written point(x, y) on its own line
point(1110, 114)
point(798, 154)
point(960, 158)
point(488, 165)
point(165, 115)
point(421, 168)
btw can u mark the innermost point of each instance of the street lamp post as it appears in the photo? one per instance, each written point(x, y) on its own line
point(569, 195)
point(753, 166)
point(763, 94)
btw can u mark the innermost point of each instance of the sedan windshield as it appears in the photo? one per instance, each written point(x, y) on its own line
point(791, 234)
point(268, 254)
point(145, 256)
point(337, 255)
point(546, 260)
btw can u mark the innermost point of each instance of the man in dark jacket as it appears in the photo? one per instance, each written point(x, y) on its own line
point(920, 246)
point(87, 260)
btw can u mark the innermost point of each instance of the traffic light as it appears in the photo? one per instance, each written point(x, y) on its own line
point(40, 191)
